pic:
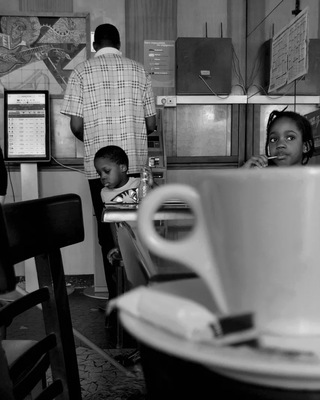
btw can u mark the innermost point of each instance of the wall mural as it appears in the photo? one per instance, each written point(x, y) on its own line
point(39, 52)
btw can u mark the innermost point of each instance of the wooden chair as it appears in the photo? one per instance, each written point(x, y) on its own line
point(40, 228)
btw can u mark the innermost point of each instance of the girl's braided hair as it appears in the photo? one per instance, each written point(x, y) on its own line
point(303, 125)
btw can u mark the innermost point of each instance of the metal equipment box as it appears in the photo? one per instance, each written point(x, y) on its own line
point(204, 66)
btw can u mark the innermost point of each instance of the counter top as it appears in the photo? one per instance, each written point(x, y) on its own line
point(120, 212)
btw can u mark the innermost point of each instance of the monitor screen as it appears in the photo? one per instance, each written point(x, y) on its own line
point(26, 126)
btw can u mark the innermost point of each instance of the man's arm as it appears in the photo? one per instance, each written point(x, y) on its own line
point(76, 125)
point(151, 123)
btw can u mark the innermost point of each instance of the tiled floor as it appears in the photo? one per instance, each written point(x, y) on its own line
point(102, 377)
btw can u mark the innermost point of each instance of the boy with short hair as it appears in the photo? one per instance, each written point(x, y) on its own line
point(112, 163)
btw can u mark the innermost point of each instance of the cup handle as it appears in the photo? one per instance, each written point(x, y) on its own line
point(194, 250)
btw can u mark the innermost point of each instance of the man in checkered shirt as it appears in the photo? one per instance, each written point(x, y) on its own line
point(110, 101)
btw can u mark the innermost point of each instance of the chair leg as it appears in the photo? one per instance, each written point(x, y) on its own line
point(115, 259)
point(120, 290)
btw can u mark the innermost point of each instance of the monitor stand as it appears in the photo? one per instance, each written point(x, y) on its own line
point(30, 191)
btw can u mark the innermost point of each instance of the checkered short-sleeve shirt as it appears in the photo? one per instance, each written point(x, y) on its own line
point(113, 95)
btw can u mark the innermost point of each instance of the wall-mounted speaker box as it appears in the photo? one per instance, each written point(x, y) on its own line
point(204, 66)
point(309, 85)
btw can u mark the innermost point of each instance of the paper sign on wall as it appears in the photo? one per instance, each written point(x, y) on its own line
point(159, 61)
point(289, 52)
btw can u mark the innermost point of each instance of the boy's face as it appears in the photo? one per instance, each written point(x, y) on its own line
point(112, 175)
point(285, 142)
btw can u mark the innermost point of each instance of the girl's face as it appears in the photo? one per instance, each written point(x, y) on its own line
point(112, 175)
point(285, 142)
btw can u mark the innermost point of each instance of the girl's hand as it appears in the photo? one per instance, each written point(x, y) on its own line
point(256, 162)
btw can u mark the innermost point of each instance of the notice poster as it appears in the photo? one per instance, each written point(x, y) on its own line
point(290, 52)
point(159, 61)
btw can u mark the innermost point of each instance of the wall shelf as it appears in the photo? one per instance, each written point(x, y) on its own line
point(284, 99)
point(234, 99)
point(179, 100)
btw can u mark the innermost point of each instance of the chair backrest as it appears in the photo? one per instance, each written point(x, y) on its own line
point(39, 228)
point(134, 262)
point(141, 267)
point(7, 274)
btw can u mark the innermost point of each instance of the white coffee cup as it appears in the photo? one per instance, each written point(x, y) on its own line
point(255, 243)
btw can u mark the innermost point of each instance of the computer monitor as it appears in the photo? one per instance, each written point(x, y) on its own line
point(26, 126)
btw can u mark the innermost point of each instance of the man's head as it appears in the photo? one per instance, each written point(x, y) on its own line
point(106, 35)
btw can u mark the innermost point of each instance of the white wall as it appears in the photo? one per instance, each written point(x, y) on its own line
point(104, 12)
point(8, 6)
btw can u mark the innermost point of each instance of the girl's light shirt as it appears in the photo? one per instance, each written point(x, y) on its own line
point(123, 194)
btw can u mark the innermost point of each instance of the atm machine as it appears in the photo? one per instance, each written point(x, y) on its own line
point(157, 152)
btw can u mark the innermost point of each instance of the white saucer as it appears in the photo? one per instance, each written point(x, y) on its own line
point(276, 368)
point(279, 369)
point(304, 343)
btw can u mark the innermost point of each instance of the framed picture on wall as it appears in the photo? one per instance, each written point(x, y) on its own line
point(39, 52)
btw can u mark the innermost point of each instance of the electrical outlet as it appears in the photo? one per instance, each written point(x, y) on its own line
point(167, 101)
point(171, 101)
